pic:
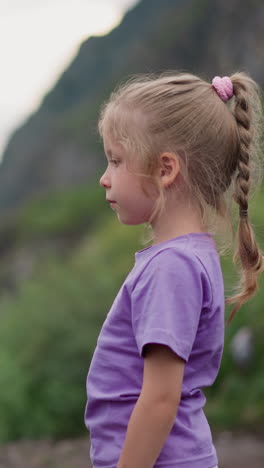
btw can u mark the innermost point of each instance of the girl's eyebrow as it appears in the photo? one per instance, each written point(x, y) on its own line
point(108, 152)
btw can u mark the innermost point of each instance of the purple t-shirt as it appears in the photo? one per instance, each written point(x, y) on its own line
point(173, 296)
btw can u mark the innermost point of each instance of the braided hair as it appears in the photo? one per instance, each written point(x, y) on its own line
point(247, 254)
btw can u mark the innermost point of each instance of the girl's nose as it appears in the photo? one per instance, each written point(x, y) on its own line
point(104, 181)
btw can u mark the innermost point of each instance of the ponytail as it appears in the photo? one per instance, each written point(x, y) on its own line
point(248, 256)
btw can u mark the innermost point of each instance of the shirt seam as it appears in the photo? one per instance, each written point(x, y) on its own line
point(154, 256)
point(206, 272)
point(209, 280)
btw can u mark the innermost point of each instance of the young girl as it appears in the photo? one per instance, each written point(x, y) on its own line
point(175, 147)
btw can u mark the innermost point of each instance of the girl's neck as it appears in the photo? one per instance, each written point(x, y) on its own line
point(177, 219)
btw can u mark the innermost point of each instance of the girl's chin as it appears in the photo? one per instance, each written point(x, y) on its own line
point(130, 221)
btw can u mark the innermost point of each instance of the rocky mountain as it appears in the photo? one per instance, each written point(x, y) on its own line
point(58, 147)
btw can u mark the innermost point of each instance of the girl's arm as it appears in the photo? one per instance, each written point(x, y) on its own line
point(154, 413)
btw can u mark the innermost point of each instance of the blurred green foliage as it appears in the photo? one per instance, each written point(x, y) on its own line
point(50, 326)
point(49, 330)
point(72, 211)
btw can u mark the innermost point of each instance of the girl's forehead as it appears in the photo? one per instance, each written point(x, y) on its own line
point(120, 124)
point(111, 146)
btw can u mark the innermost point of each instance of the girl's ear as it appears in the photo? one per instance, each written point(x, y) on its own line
point(169, 168)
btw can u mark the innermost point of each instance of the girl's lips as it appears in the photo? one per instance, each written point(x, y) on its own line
point(111, 201)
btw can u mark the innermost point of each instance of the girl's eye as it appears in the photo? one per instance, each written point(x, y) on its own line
point(114, 162)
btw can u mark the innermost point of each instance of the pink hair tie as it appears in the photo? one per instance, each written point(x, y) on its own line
point(223, 87)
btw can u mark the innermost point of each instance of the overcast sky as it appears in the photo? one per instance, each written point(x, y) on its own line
point(38, 39)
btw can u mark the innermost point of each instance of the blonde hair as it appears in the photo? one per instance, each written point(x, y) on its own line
point(218, 145)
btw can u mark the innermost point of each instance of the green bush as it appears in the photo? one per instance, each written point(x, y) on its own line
point(48, 334)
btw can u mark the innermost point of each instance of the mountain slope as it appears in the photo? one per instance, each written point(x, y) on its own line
point(58, 146)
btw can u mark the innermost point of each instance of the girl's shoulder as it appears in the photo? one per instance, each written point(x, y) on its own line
point(195, 249)
point(190, 260)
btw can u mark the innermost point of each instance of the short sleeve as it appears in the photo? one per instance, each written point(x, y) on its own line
point(166, 302)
